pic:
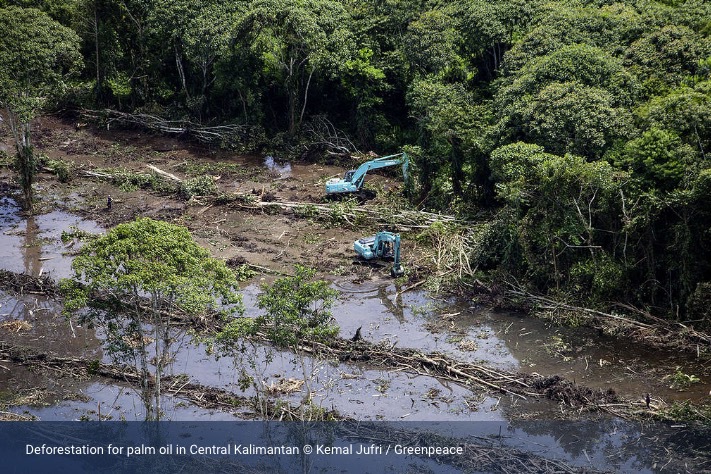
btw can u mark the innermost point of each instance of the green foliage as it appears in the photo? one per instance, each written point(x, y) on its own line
point(297, 309)
point(685, 111)
point(457, 133)
point(60, 168)
point(572, 100)
point(37, 54)
point(128, 180)
point(306, 211)
point(491, 27)
point(514, 167)
point(199, 186)
point(659, 158)
point(573, 118)
point(365, 82)
point(197, 36)
point(294, 42)
point(599, 277)
point(665, 56)
point(296, 313)
point(340, 211)
point(26, 164)
point(699, 305)
point(153, 258)
point(580, 63)
point(558, 25)
point(681, 381)
point(133, 281)
point(430, 44)
point(556, 206)
point(76, 234)
point(686, 411)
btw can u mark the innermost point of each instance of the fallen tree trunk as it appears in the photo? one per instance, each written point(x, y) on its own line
point(227, 136)
point(164, 173)
point(200, 395)
point(481, 455)
point(660, 332)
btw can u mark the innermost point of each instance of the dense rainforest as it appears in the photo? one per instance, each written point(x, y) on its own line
point(575, 131)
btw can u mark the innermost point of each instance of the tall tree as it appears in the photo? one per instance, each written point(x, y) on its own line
point(134, 281)
point(37, 55)
point(195, 34)
point(296, 41)
point(95, 23)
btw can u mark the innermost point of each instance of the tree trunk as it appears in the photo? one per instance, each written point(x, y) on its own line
point(181, 70)
point(293, 94)
point(24, 156)
point(99, 85)
point(457, 173)
point(306, 96)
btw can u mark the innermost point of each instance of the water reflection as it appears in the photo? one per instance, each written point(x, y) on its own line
point(395, 305)
point(33, 245)
point(31, 249)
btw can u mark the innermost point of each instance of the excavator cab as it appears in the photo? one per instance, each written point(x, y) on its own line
point(383, 245)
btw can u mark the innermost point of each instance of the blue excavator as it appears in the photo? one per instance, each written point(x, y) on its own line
point(383, 245)
point(352, 181)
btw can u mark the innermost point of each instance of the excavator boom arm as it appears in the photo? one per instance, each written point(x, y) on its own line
point(392, 160)
point(353, 180)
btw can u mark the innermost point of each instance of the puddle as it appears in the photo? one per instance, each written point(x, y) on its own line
point(36, 321)
point(363, 394)
point(102, 402)
point(603, 445)
point(33, 245)
point(407, 319)
point(515, 343)
point(384, 313)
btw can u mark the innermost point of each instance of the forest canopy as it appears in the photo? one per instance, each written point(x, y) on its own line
point(580, 128)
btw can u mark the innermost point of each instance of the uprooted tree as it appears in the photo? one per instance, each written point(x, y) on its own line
point(141, 283)
point(37, 54)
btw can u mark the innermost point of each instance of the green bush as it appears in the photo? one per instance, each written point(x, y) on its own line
point(60, 168)
point(199, 186)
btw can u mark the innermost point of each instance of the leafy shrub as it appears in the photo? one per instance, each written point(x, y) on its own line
point(61, 169)
point(199, 186)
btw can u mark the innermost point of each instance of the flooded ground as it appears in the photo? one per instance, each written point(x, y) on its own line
point(384, 313)
point(369, 300)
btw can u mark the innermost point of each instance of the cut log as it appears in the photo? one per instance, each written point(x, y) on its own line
point(165, 173)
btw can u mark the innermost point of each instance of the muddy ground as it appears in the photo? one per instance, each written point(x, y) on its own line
point(239, 224)
point(265, 237)
point(85, 164)
point(102, 163)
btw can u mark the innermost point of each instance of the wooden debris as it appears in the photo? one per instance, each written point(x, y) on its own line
point(165, 173)
point(222, 135)
point(16, 325)
point(283, 386)
point(28, 284)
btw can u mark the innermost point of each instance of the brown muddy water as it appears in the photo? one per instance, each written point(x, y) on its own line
point(411, 319)
point(384, 312)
